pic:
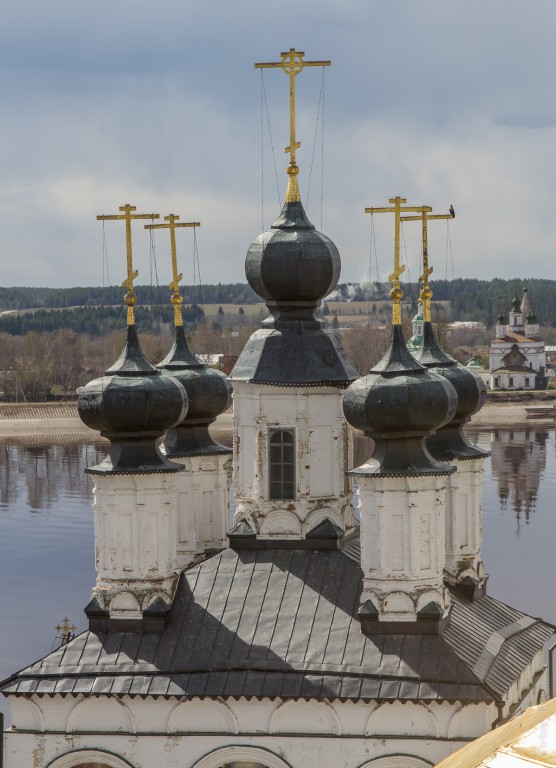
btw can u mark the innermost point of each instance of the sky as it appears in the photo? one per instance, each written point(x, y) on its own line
point(159, 105)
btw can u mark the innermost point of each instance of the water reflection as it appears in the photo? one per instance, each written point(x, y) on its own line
point(518, 463)
point(46, 545)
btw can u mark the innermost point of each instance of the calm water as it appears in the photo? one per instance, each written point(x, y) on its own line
point(47, 548)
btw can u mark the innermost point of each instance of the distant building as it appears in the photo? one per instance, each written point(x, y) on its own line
point(477, 367)
point(226, 363)
point(416, 340)
point(517, 354)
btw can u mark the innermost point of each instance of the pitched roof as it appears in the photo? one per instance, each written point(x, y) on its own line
point(281, 623)
point(512, 338)
point(515, 369)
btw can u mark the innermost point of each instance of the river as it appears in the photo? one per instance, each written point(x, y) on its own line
point(47, 543)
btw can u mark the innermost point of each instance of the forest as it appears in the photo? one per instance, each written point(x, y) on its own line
point(100, 310)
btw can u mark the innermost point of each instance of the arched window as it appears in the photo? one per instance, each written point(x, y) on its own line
point(282, 464)
point(89, 758)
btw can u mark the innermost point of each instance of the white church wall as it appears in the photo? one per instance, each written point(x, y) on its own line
point(170, 733)
point(315, 416)
point(203, 751)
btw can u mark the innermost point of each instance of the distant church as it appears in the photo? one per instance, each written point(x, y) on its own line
point(342, 619)
point(517, 354)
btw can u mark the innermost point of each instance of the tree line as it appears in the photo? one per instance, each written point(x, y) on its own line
point(469, 299)
point(57, 298)
point(97, 321)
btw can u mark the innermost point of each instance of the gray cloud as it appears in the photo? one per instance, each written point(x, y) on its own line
point(109, 103)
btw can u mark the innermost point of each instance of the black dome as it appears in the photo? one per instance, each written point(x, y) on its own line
point(209, 394)
point(292, 267)
point(449, 442)
point(292, 264)
point(132, 405)
point(398, 404)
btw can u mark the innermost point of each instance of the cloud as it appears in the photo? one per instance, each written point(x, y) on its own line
point(111, 103)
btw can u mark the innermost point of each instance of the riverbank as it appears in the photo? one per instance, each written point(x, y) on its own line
point(23, 420)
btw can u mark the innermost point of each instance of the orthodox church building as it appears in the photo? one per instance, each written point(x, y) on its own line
point(517, 354)
point(341, 619)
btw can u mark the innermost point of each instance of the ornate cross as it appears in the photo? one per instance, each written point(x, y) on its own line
point(130, 298)
point(176, 298)
point(67, 631)
point(425, 294)
point(396, 207)
point(292, 63)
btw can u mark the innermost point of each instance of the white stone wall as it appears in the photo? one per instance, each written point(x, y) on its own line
point(209, 733)
point(135, 539)
point(514, 380)
point(203, 505)
point(322, 452)
point(403, 543)
point(464, 522)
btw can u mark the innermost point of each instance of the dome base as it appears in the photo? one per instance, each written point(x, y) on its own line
point(135, 457)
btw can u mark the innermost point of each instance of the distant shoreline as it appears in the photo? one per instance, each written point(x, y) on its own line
point(23, 420)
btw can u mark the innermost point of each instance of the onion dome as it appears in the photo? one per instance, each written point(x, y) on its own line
point(292, 267)
point(209, 394)
point(501, 319)
point(531, 319)
point(449, 442)
point(516, 304)
point(475, 364)
point(398, 404)
point(132, 405)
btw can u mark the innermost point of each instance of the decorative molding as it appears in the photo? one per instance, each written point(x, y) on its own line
point(85, 716)
point(31, 709)
point(301, 717)
point(397, 761)
point(240, 752)
point(213, 714)
point(398, 719)
point(93, 756)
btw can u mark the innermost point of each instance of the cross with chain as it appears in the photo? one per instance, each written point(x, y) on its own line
point(292, 63)
point(425, 294)
point(397, 205)
point(130, 298)
point(176, 298)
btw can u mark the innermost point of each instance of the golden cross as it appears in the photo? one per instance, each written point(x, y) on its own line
point(292, 63)
point(397, 205)
point(66, 631)
point(425, 294)
point(130, 298)
point(176, 298)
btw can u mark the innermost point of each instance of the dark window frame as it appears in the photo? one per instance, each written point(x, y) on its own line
point(281, 464)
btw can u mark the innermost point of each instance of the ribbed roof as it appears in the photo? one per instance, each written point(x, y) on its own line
point(282, 623)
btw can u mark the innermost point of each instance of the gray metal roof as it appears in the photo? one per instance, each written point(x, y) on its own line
point(281, 624)
point(296, 354)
